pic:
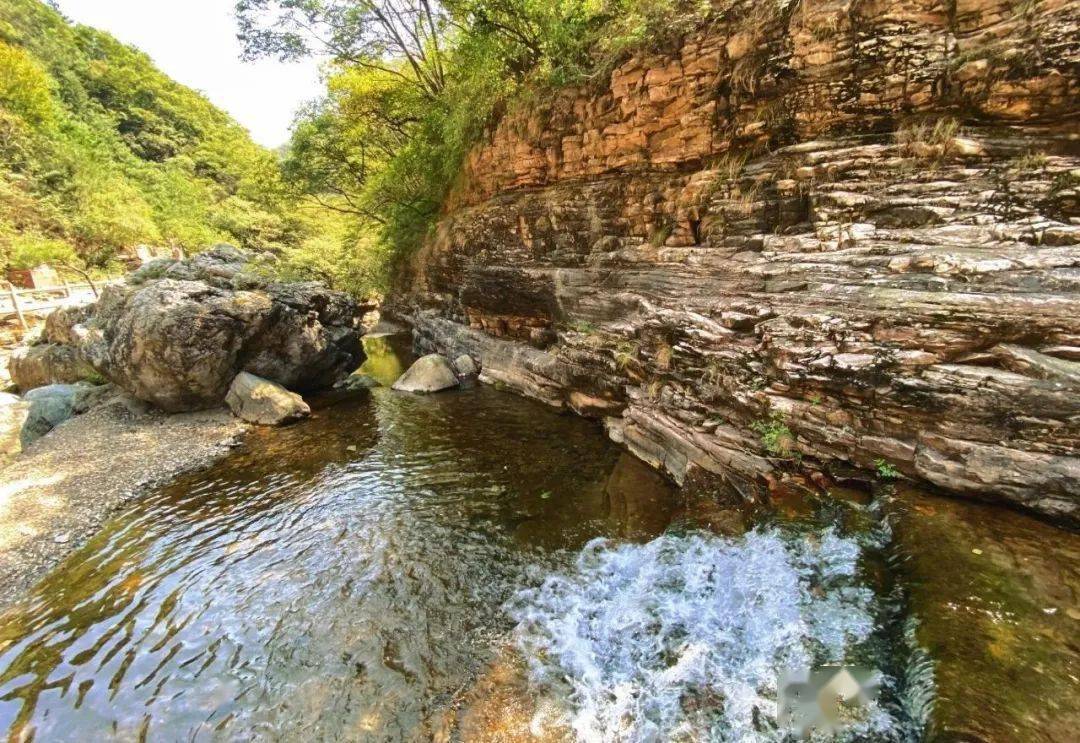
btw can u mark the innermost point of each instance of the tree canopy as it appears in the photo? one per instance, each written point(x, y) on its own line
point(100, 151)
point(411, 86)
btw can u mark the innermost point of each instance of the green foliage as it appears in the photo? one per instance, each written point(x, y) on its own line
point(885, 470)
point(100, 151)
point(386, 144)
point(775, 436)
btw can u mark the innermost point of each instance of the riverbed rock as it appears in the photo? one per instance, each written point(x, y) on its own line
point(258, 400)
point(176, 333)
point(431, 373)
point(710, 250)
point(47, 363)
point(360, 381)
point(465, 367)
point(52, 404)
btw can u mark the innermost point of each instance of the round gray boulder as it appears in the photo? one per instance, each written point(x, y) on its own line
point(430, 373)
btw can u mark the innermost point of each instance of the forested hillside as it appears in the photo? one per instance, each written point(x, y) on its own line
point(100, 151)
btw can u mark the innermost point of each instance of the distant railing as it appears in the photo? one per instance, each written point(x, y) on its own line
point(11, 304)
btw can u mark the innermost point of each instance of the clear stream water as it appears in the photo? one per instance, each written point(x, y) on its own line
point(464, 566)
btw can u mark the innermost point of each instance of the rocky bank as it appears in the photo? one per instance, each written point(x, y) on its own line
point(177, 333)
point(804, 237)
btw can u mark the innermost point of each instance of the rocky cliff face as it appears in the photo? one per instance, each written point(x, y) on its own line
point(809, 235)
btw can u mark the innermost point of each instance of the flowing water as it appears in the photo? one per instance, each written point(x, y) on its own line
point(469, 565)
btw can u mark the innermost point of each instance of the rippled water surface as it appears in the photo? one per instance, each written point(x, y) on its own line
point(474, 566)
point(340, 578)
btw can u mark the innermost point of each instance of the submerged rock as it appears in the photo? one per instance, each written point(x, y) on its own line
point(178, 332)
point(431, 373)
point(261, 401)
point(360, 381)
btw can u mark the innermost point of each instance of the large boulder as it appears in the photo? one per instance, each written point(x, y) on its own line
point(430, 373)
point(47, 363)
point(176, 344)
point(178, 332)
point(261, 401)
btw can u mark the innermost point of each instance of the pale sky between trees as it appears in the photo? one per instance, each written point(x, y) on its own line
point(194, 42)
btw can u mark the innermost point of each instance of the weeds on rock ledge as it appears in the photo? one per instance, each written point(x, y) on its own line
point(776, 437)
point(885, 470)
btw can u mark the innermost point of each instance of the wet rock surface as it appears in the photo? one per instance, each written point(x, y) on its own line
point(853, 231)
point(177, 332)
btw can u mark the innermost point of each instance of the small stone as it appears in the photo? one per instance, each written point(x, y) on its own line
point(465, 366)
point(62, 538)
point(359, 381)
point(350, 447)
point(976, 551)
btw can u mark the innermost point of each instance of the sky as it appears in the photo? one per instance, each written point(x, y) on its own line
point(194, 42)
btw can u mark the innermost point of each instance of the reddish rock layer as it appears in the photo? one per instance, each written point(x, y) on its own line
point(769, 247)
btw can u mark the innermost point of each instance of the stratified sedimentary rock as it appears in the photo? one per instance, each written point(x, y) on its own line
point(853, 228)
point(176, 333)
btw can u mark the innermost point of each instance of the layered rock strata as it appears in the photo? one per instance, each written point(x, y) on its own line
point(806, 235)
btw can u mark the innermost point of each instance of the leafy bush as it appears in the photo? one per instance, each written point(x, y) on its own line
point(885, 470)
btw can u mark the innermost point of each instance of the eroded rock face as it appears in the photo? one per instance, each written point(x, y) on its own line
point(776, 232)
point(178, 332)
point(257, 400)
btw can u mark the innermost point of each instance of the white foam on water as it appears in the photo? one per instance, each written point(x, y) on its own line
point(684, 638)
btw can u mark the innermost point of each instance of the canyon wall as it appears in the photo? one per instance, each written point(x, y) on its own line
point(807, 237)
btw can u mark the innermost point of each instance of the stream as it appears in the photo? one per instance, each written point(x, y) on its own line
point(475, 566)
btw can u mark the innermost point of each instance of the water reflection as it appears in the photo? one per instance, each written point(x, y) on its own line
point(388, 356)
point(341, 578)
point(997, 596)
